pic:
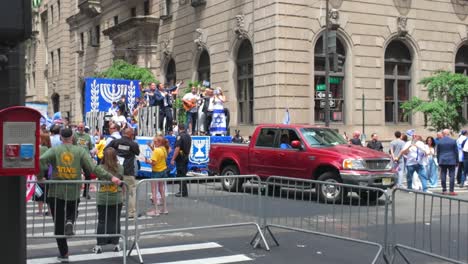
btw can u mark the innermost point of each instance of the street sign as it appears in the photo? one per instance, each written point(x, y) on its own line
point(331, 100)
point(333, 80)
point(321, 94)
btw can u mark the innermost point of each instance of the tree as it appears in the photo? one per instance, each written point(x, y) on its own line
point(447, 92)
point(121, 69)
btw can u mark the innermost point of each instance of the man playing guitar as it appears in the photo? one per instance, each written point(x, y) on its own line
point(190, 102)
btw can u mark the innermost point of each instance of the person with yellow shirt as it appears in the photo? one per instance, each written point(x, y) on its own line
point(100, 149)
point(159, 171)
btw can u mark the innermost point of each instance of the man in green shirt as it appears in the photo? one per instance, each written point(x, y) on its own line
point(84, 140)
point(67, 161)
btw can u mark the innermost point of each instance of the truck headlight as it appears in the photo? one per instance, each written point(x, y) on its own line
point(354, 164)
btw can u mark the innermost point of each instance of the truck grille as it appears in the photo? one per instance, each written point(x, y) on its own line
point(377, 164)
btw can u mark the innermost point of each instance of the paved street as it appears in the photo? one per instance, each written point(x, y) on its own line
point(208, 204)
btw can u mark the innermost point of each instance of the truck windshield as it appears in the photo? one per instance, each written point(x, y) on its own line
point(322, 137)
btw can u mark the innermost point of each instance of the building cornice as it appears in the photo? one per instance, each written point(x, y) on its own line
point(132, 24)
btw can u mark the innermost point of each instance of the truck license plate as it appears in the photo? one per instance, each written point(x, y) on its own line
point(386, 181)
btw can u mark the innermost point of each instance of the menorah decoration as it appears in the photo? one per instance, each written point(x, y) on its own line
point(113, 94)
point(200, 149)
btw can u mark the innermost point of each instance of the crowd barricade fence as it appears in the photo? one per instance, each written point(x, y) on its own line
point(435, 226)
point(355, 214)
point(208, 206)
point(43, 226)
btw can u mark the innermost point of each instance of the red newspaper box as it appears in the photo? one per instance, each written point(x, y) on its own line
point(19, 138)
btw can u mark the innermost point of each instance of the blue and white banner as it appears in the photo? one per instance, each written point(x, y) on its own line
point(100, 93)
point(200, 150)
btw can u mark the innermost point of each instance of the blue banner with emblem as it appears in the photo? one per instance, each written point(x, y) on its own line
point(100, 93)
point(200, 150)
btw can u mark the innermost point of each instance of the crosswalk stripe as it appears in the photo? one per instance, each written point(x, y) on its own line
point(89, 231)
point(144, 251)
point(34, 204)
point(214, 260)
point(77, 243)
point(50, 223)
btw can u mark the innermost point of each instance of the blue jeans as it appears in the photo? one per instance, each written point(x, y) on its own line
point(421, 174)
point(192, 119)
point(443, 176)
point(465, 171)
point(432, 172)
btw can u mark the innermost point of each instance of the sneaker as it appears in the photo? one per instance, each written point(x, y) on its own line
point(453, 194)
point(117, 248)
point(97, 249)
point(62, 259)
point(427, 191)
point(69, 229)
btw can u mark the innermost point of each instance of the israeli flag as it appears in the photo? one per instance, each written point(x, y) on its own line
point(206, 83)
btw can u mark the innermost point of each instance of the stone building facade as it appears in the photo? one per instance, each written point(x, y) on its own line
point(268, 55)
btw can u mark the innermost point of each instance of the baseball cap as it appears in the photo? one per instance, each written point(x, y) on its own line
point(410, 132)
point(66, 132)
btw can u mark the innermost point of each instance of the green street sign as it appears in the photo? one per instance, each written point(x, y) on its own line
point(36, 3)
point(320, 87)
point(323, 87)
point(335, 80)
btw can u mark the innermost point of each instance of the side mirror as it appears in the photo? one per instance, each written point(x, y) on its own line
point(296, 144)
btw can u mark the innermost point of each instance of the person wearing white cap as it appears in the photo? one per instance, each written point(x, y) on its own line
point(416, 152)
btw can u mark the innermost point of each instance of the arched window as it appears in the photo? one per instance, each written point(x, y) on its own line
point(245, 83)
point(55, 102)
point(397, 80)
point(171, 72)
point(336, 83)
point(461, 66)
point(461, 60)
point(204, 67)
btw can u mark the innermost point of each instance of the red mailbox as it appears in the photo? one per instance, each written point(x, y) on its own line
point(19, 138)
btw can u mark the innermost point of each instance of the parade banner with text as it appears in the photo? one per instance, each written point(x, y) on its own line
point(100, 93)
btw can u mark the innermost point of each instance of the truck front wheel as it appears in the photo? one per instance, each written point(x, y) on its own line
point(330, 193)
point(231, 184)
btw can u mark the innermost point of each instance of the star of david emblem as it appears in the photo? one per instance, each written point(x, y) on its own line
point(218, 120)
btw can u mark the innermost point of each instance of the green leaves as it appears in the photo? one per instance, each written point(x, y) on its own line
point(121, 69)
point(447, 92)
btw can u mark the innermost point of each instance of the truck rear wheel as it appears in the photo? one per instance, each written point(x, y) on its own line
point(330, 193)
point(234, 184)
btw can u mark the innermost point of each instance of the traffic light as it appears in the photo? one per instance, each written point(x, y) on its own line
point(15, 20)
point(337, 62)
point(196, 3)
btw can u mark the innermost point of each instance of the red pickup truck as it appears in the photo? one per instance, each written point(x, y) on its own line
point(306, 152)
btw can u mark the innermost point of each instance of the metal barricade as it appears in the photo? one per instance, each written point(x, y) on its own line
point(436, 227)
point(212, 202)
point(355, 214)
point(86, 213)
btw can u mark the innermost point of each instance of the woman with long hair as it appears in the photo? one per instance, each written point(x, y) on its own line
point(109, 203)
point(432, 171)
point(159, 171)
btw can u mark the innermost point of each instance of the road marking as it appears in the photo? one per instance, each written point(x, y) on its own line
point(215, 260)
point(144, 251)
point(50, 223)
point(88, 231)
point(34, 204)
point(76, 243)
